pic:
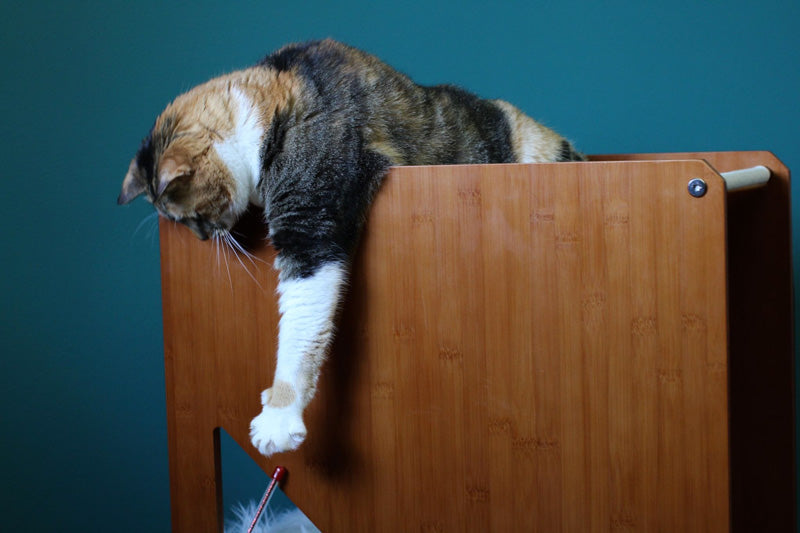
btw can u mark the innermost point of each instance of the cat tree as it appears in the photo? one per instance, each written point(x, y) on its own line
point(553, 347)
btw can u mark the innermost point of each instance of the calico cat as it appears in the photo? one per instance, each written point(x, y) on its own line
point(308, 134)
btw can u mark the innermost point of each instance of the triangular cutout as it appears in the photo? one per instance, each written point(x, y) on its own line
point(243, 485)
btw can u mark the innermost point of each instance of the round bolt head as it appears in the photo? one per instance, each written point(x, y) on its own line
point(697, 187)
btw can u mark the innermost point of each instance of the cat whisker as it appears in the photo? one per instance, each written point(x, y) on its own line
point(227, 266)
point(241, 235)
point(145, 220)
point(217, 247)
point(236, 248)
point(237, 234)
point(154, 230)
point(237, 245)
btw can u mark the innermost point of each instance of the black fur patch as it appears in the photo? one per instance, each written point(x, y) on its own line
point(317, 192)
point(273, 142)
point(145, 161)
point(568, 153)
point(286, 58)
point(489, 124)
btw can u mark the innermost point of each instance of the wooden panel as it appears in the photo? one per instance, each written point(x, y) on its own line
point(761, 343)
point(524, 347)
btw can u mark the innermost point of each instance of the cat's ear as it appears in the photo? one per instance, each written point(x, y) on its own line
point(170, 169)
point(133, 185)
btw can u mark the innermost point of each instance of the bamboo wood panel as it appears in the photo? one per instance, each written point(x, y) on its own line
point(524, 347)
point(761, 367)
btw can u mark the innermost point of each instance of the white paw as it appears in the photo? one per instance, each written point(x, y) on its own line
point(277, 429)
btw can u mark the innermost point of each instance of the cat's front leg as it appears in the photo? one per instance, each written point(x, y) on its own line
point(308, 306)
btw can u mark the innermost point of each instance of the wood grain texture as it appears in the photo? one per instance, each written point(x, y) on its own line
point(761, 367)
point(523, 348)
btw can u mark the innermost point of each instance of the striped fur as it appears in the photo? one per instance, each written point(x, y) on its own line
point(308, 134)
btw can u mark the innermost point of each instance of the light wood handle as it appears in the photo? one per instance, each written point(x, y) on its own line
point(746, 177)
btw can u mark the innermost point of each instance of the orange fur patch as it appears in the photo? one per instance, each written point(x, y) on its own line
point(207, 114)
point(531, 141)
point(281, 394)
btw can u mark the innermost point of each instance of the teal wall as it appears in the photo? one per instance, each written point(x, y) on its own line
point(83, 426)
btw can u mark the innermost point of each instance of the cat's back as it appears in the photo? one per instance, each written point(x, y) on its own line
point(408, 123)
point(330, 65)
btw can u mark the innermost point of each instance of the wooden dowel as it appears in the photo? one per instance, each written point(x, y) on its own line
point(746, 177)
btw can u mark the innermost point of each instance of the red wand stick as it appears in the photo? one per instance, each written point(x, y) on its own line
point(277, 478)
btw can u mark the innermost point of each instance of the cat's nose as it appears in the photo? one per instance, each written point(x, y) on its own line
point(197, 228)
point(202, 235)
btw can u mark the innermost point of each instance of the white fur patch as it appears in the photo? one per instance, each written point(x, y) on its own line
point(291, 520)
point(241, 152)
point(308, 308)
point(277, 430)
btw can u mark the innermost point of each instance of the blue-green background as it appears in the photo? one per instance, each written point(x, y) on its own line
point(83, 443)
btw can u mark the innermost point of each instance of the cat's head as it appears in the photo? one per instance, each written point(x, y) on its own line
point(179, 169)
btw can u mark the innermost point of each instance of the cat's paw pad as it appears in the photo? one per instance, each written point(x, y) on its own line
point(277, 429)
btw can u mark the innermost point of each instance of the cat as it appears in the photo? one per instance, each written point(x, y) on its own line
point(308, 134)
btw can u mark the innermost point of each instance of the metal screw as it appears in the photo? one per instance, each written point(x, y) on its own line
point(697, 188)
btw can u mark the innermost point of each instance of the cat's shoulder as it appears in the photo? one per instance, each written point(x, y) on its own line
point(324, 53)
